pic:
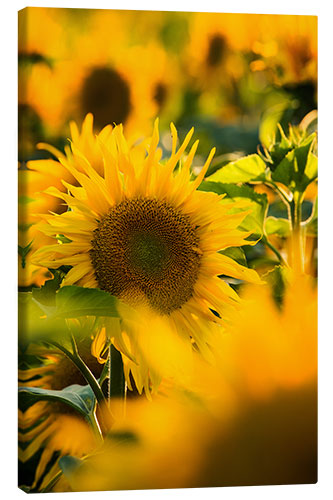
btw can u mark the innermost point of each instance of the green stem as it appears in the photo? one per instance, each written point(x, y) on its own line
point(116, 374)
point(279, 191)
point(95, 426)
point(87, 374)
point(274, 249)
point(295, 215)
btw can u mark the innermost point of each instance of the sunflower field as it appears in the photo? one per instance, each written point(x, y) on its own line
point(167, 199)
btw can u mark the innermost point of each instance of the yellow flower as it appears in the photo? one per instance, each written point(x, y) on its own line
point(144, 233)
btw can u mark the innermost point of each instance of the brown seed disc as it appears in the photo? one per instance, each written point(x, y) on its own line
point(146, 248)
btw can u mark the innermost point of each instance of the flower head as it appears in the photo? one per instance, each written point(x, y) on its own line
point(143, 232)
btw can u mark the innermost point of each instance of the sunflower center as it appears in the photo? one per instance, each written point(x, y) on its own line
point(216, 50)
point(160, 94)
point(146, 250)
point(105, 94)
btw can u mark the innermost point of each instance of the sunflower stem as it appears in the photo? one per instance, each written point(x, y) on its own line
point(295, 215)
point(274, 249)
point(116, 374)
point(284, 197)
point(96, 426)
point(87, 374)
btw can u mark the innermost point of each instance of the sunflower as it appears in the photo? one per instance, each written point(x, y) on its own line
point(144, 233)
point(286, 47)
point(81, 76)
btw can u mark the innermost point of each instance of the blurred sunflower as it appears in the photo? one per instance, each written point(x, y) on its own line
point(213, 64)
point(145, 234)
point(248, 420)
point(82, 79)
point(286, 48)
point(49, 430)
point(156, 82)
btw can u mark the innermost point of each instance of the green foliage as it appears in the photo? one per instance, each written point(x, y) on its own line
point(270, 120)
point(43, 313)
point(281, 227)
point(76, 301)
point(235, 253)
point(299, 167)
point(211, 133)
point(80, 398)
point(248, 169)
point(47, 293)
point(33, 324)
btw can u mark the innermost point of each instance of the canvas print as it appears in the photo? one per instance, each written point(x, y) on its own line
point(167, 249)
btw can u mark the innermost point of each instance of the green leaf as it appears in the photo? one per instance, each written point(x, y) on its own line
point(297, 165)
point(281, 227)
point(270, 120)
point(79, 397)
point(311, 169)
point(235, 253)
point(34, 324)
point(257, 203)
point(76, 301)
point(248, 169)
point(47, 293)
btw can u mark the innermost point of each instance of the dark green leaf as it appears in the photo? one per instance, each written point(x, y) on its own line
point(75, 301)
point(292, 170)
point(47, 293)
point(79, 397)
point(235, 253)
point(248, 169)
